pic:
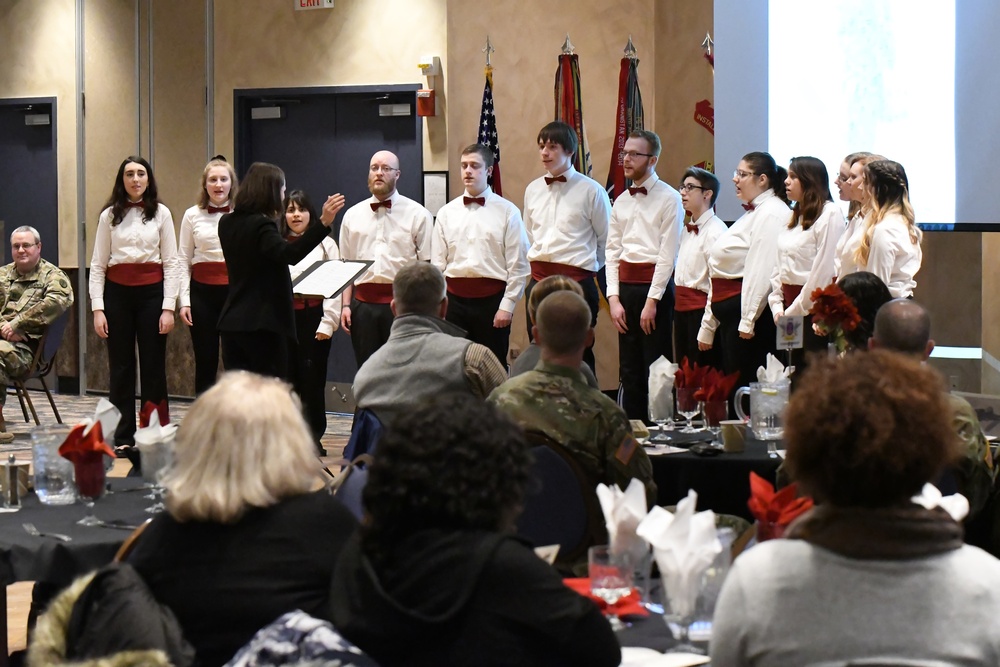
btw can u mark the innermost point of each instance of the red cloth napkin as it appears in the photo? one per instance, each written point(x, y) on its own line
point(80, 448)
point(689, 375)
point(162, 410)
point(630, 605)
point(715, 386)
point(779, 508)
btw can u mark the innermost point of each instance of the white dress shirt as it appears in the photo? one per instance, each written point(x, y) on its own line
point(486, 241)
point(805, 257)
point(392, 237)
point(198, 242)
point(567, 223)
point(692, 258)
point(893, 257)
point(133, 241)
point(326, 250)
point(645, 229)
point(847, 247)
point(747, 250)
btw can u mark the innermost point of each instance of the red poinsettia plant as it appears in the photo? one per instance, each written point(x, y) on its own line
point(834, 314)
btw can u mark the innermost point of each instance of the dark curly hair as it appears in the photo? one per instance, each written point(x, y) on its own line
point(868, 293)
point(868, 430)
point(453, 463)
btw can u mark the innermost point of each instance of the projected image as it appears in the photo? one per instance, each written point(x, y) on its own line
point(875, 75)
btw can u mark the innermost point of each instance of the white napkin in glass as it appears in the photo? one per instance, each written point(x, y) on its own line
point(623, 510)
point(108, 416)
point(930, 497)
point(685, 544)
point(774, 370)
point(661, 383)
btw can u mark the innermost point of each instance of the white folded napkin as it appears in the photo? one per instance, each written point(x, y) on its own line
point(774, 371)
point(622, 513)
point(108, 416)
point(661, 384)
point(685, 544)
point(930, 497)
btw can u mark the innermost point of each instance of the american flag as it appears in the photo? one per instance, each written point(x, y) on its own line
point(488, 130)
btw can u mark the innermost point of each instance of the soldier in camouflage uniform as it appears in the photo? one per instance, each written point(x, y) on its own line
point(555, 399)
point(33, 293)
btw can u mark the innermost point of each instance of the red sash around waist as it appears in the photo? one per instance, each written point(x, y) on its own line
point(687, 299)
point(635, 274)
point(373, 292)
point(301, 303)
point(210, 273)
point(725, 288)
point(135, 274)
point(541, 270)
point(789, 293)
point(475, 288)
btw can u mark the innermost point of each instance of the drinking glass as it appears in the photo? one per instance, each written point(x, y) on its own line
point(682, 609)
point(89, 486)
point(156, 460)
point(53, 473)
point(715, 413)
point(688, 406)
point(661, 410)
point(610, 579)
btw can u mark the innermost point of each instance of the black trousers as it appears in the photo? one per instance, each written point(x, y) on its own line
point(739, 354)
point(686, 326)
point(475, 315)
point(593, 298)
point(637, 350)
point(133, 315)
point(370, 327)
point(206, 304)
point(309, 369)
point(261, 352)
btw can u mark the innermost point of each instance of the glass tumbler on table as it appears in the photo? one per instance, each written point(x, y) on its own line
point(53, 475)
point(610, 579)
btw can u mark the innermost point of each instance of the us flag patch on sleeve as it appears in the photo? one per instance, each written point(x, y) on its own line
point(626, 449)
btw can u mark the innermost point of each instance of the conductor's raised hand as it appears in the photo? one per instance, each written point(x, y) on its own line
point(331, 207)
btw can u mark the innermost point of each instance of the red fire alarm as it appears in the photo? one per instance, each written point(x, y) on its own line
point(425, 102)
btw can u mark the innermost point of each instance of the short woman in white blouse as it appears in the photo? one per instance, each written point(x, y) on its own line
point(890, 247)
point(806, 247)
point(204, 280)
point(133, 290)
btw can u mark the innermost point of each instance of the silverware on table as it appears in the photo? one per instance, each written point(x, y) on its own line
point(31, 530)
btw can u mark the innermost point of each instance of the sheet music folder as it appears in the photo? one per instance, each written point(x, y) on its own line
point(328, 278)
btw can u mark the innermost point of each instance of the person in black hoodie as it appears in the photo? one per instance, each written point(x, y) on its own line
point(435, 576)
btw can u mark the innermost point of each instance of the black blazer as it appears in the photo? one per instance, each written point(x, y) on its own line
point(257, 259)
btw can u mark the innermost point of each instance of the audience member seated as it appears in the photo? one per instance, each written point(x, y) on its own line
point(866, 573)
point(868, 293)
point(528, 359)
point(434, 576)
point(903, 325)
point(250, 532)
point(554, 399)
point(425, 355)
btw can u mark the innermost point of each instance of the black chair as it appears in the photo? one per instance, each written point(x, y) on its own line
point(41, 365)
point(349, 484)
point(561, 505)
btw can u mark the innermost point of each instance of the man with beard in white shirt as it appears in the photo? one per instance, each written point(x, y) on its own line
point(480, 246)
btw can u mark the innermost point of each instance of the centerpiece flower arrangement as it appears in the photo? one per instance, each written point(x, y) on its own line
point(834, 314)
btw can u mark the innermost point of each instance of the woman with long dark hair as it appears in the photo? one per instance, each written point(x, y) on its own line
point(133, 290)
point(315, 319)
point(806, 247)
point(204, 281)
point(257, 322)
point(741, 263)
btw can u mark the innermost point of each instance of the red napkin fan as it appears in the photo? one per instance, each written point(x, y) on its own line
point(630, 605)
point(689, 375)
point(774, 511)
point(162, 410)
point(715, 386)
point(80, 448)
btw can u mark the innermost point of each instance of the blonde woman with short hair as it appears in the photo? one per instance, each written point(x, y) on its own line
point(250, 530)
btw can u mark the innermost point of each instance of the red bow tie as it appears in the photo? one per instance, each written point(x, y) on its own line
point(691, 227)
point(749, 207)
point(135, 204)
point(219, 209)
point(637, 191)
point(474, 200)
point(376, 205)
point(557, 179)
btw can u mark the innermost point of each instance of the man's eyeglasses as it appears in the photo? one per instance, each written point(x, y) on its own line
point(633, 155)
point(17, 246)
point(740, 174)
point(376, 168)
point(688, 187)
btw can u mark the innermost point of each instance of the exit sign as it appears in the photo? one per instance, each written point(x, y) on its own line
point(313, 4)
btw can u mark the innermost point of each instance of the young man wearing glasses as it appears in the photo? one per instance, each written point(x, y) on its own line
point(392, 230)
point(33, 293)
point(642, 246)
point(699, 191)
